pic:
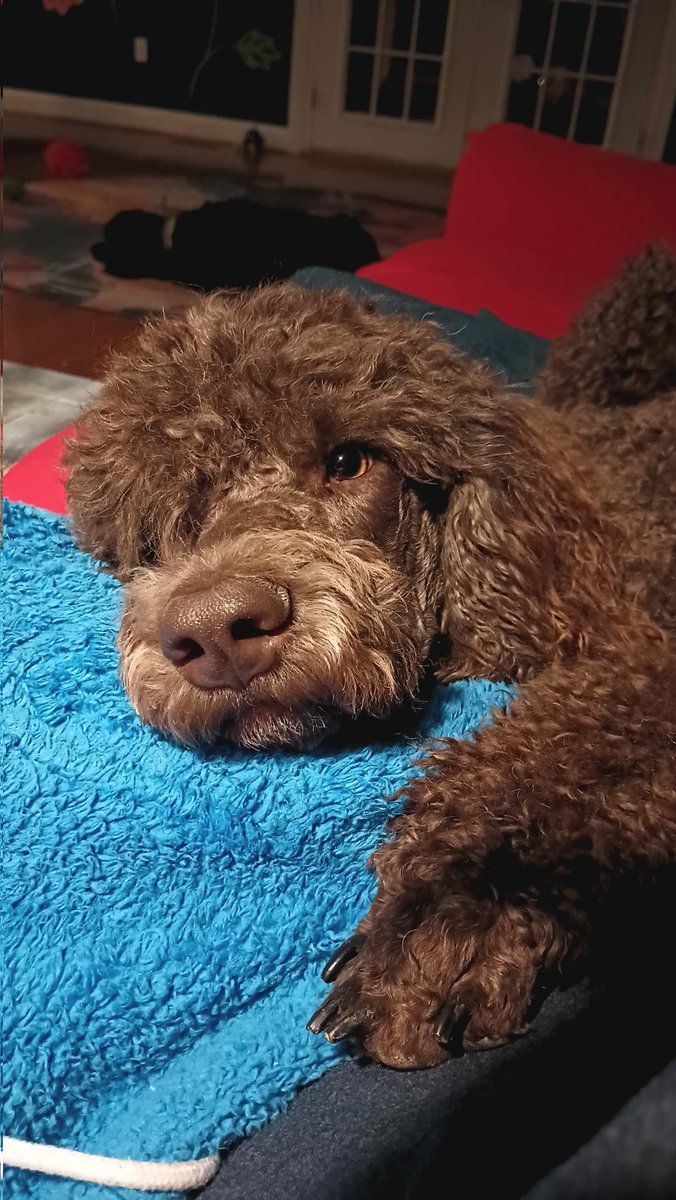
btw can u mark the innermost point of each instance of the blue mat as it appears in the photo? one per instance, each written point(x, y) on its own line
point(167, 912)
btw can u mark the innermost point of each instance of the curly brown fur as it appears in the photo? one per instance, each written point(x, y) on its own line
point(482, 540)
point(621, 349)
point(613, 377)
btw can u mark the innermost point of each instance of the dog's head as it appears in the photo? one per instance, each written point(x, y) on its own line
point(132, 247)
point(305, 500)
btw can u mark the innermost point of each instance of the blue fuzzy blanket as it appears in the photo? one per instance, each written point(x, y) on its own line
point(167, 913)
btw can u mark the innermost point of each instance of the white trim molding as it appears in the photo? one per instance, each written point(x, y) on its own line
point(197, 126)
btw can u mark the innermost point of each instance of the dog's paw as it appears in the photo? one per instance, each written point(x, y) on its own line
point(387, 1022)
point(412, 1001)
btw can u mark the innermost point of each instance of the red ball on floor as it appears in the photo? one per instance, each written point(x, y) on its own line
point(65, 160)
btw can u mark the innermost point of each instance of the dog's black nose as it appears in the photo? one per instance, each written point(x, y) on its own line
point(224, 637)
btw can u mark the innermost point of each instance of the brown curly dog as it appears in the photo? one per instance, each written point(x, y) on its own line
point(310, 505)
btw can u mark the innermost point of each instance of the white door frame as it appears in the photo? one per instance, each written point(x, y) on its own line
point(663, 95)
point(495, 42)
point(640, 116)
point(645, 88)
point(638, 122)
point(380, 137)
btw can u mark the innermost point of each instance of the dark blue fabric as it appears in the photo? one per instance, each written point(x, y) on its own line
point(633, 1155)
point(494, 1124)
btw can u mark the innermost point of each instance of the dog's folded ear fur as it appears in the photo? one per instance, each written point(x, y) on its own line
point(526, 559)
point(133, 476)
point(102, 490)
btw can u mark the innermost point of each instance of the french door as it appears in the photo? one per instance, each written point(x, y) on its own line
point(393, 78)
point(405, 80)
point(601, 72)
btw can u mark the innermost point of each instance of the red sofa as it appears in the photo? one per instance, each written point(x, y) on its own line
point(38, 478)
point(534, 224)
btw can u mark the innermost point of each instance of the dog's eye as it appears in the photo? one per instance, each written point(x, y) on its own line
point(348, 461)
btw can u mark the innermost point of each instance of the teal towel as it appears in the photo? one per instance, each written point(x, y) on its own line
point(166, 912)
point(515, 355)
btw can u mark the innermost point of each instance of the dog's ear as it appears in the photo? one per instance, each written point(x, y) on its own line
point(528, 562)
point(119, 503)
point(134, 474)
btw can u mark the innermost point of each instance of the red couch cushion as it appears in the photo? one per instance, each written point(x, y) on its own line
point(534, 224)
point(38, 477)
point(460, 279)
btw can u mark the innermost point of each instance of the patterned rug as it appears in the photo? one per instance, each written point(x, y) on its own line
point(48, 233)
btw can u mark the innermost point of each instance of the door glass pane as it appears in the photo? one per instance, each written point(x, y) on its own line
point(558, 106)
point(432, 26)
point(593, 115)
point(569, 38)
point(358, 87)
point(522, 101)
point(425, 90)
point(399, 24)
point(364, 22)
point(533, 29)
point(391, 91)
point(606, 43)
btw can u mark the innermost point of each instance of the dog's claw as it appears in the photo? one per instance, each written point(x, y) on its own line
point(342, 956)
point(337, 1017)
point(327, 1011)
point(448, 1020)
point(342, 1028)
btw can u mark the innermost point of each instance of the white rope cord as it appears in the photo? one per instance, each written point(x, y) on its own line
point(111, 1172)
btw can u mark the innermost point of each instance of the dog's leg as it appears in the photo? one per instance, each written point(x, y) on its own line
point(504, 846)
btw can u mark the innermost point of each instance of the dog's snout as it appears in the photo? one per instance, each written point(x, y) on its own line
point(224, 637)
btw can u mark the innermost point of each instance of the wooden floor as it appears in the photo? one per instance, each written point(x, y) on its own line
point(60, 337)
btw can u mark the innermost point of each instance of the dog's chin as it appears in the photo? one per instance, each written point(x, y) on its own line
point(256, 725)
point(268, 727)
point(296, 709)
point(260, 725)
